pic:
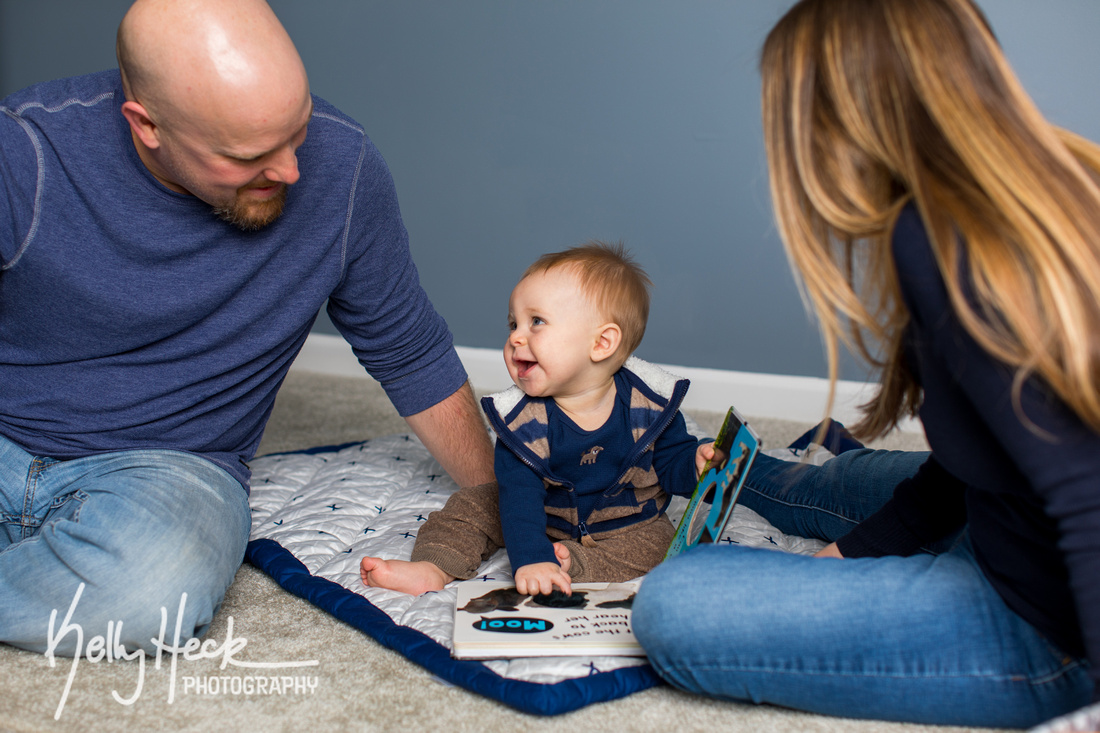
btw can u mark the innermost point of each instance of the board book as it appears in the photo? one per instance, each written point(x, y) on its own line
point(494, 621)
point(711, 505)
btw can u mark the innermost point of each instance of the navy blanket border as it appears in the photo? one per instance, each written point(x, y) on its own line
point(352, 608)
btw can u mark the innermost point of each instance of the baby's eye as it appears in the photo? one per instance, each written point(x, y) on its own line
point(536, 321)
point(511, 325)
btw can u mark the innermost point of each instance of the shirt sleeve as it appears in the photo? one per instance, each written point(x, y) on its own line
point(674, 458)
point(19, 181)
point(923, 509)
point(380, 306)
point(522, 510)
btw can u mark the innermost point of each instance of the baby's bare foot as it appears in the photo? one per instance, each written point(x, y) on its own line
point(561, 552)
point(403, 576)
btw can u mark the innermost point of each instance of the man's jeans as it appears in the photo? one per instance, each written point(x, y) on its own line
point(130, 532)
point(923, 639)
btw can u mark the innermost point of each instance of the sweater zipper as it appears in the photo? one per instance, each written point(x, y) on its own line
point(667, 416)
point(518, 451)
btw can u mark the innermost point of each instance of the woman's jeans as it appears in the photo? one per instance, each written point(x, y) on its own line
point(105, 546)
point(923, 639)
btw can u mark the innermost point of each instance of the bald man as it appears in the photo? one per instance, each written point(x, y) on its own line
point(168, 233)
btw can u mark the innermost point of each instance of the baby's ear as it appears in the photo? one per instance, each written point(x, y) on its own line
point(608, 340)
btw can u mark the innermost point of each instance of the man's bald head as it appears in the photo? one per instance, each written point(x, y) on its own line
point(208, 56)
point(213, 78)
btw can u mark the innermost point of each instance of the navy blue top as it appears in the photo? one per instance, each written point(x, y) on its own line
point(132, 318)
point(1031, 497)
point(524, 496)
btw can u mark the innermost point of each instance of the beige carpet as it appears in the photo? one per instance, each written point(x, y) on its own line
point(356, 685)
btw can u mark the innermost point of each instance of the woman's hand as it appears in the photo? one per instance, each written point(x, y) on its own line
point(829, 550)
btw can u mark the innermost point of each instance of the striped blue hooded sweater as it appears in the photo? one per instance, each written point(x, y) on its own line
point(538, 507)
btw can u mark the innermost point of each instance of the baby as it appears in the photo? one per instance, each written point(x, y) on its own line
point(590, 441)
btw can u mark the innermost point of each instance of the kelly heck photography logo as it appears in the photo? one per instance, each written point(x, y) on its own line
point(108, 648)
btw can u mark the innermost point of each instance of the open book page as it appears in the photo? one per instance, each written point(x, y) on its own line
point(494, 621)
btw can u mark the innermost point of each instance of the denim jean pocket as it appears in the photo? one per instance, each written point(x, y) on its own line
point(1059, 664)
point(65, 507)
point(16, 527)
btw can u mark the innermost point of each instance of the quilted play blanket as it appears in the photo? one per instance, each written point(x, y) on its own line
point(317, 513)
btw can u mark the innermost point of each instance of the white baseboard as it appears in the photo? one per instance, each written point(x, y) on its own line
point(757, 395)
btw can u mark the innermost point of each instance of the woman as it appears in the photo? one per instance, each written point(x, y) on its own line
point(931, 211)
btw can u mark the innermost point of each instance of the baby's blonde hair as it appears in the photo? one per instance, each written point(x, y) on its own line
point(614, 283)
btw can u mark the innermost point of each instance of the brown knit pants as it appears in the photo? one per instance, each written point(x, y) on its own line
point(466, 531)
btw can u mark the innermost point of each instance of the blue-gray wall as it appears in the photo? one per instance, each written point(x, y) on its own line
point(517, 127)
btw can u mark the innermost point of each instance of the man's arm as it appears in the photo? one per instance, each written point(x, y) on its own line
point(453, 432)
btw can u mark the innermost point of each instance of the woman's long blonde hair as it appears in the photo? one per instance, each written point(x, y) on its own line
point(870, 104)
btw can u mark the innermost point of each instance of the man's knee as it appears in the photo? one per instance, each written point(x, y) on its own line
point(132, 577)
point(152, 595)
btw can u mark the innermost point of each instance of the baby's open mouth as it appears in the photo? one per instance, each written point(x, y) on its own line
point(524, 367)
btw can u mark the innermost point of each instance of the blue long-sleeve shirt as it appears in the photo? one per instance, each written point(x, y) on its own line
point(131, 317)
point(1030, 493)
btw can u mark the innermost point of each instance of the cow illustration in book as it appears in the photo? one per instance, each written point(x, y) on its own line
point(615, 595)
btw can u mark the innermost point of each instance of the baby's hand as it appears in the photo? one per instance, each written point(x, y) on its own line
point(703, 453)
point(541, 577)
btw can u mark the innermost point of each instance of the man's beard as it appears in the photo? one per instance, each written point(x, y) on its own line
point(252, 215)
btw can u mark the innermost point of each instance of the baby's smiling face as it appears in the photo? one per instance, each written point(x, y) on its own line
point(552, 330)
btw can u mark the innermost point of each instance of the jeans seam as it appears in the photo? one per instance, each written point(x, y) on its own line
point(26, 518)
point(1061, 671)
point(803, 507)
point(998, 677)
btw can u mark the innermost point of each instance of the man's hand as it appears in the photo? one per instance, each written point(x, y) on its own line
point(541, 577)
